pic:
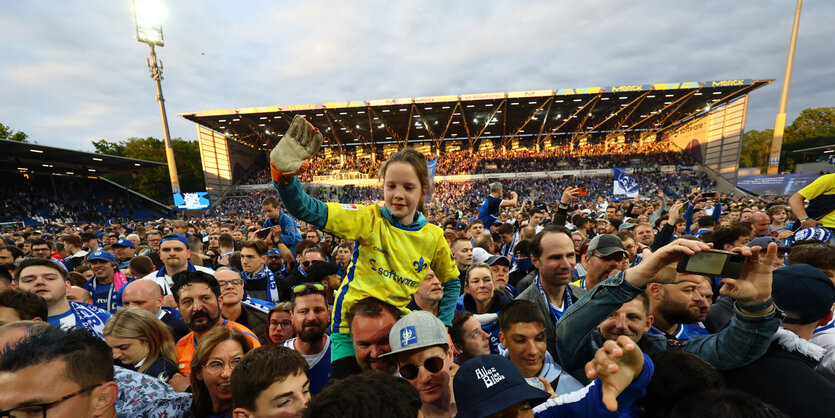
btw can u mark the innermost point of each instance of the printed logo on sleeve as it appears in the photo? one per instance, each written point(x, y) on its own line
point(349, 206)
point(408, 336)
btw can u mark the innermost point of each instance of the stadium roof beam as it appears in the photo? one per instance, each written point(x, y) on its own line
point(440, 139)
point(425, 125)
point(490, 118)
point(259, 134)
point(677, 104)
point(408, 126)
point(566, 120)
point(632, 106)
point(466, 127)
point(350, 129)
point(593, 102)
point(386, 124)
point(532, 115)
point(541, 126)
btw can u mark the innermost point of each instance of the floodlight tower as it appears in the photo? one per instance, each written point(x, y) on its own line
point(780, 124)
point(148, 17)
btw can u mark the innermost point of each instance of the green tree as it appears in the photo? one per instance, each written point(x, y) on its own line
point(811, 123)
point(11, 135)
point(154, 182)
point(756, 146)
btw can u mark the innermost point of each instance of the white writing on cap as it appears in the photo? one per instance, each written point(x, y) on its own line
point(489, 376)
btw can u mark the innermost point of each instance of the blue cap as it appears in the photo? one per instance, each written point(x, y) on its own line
point(99, 234)
point(174, 237)
point(489, 384)
point(804, 292)
point(101, 255)
point(273, 251)
point(124, 243)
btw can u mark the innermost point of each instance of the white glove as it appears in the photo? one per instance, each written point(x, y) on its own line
point(301, 142)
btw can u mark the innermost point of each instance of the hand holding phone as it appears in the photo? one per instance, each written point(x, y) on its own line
point(713, 263)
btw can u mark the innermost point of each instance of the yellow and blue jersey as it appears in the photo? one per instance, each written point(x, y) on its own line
point(389, 262)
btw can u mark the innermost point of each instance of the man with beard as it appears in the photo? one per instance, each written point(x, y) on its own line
point(678, 307)
point(371, 320)
point(311, 318)
point(196, 294)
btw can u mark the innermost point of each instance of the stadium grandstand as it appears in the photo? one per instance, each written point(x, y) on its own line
point(47, 184)
point(658, 127)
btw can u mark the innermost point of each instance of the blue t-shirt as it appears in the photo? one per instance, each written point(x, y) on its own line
point(489, 211)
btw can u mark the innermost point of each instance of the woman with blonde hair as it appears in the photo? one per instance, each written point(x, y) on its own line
point(141, 342)
point(217, 354)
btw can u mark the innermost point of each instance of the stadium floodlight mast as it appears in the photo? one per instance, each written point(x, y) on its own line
point(780, 124)
point(148, 17)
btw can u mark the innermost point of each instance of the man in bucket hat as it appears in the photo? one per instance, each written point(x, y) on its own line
point(492, 386)
point(806, 296)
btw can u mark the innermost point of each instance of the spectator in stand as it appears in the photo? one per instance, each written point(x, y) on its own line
point(371, 320)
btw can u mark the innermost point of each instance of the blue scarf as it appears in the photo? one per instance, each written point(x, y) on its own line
point(265, 273)
point(555, 314)
point(162, 272)
point(89, 317)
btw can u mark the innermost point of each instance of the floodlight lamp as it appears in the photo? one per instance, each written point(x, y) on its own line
point(148, 16)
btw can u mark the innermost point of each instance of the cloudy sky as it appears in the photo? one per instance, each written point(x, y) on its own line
point(71, 72)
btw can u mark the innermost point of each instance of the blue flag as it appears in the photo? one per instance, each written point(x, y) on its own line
point(430, 166)
point(624, 185)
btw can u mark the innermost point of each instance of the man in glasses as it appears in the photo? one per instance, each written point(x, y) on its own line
point(420, 344)
point(311, 317)
point(604, 254)
point(309, 256)
point(65, 374)
point(236, 306)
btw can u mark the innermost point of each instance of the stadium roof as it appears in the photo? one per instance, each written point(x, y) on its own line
point(533, 116)
point(23, 156)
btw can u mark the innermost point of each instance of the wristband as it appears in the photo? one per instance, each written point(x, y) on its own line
point(758, 307)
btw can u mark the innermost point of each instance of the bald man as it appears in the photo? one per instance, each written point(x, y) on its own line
point(80, 295)
point(762, 225)
point(146, 294)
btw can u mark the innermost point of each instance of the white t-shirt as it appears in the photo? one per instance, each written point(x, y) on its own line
point(166, 281)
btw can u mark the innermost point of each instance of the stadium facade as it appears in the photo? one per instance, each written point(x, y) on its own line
point(707, 119)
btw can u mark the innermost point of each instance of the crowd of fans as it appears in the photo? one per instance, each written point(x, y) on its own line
point(560, 157)
point(36, 199)
point(563, 302)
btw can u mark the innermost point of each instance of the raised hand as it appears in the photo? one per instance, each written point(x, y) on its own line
point(301, 142)
point(657, 267)
point(674, 213)
point(568, 195)
point(616, 364)
point(754, 284)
